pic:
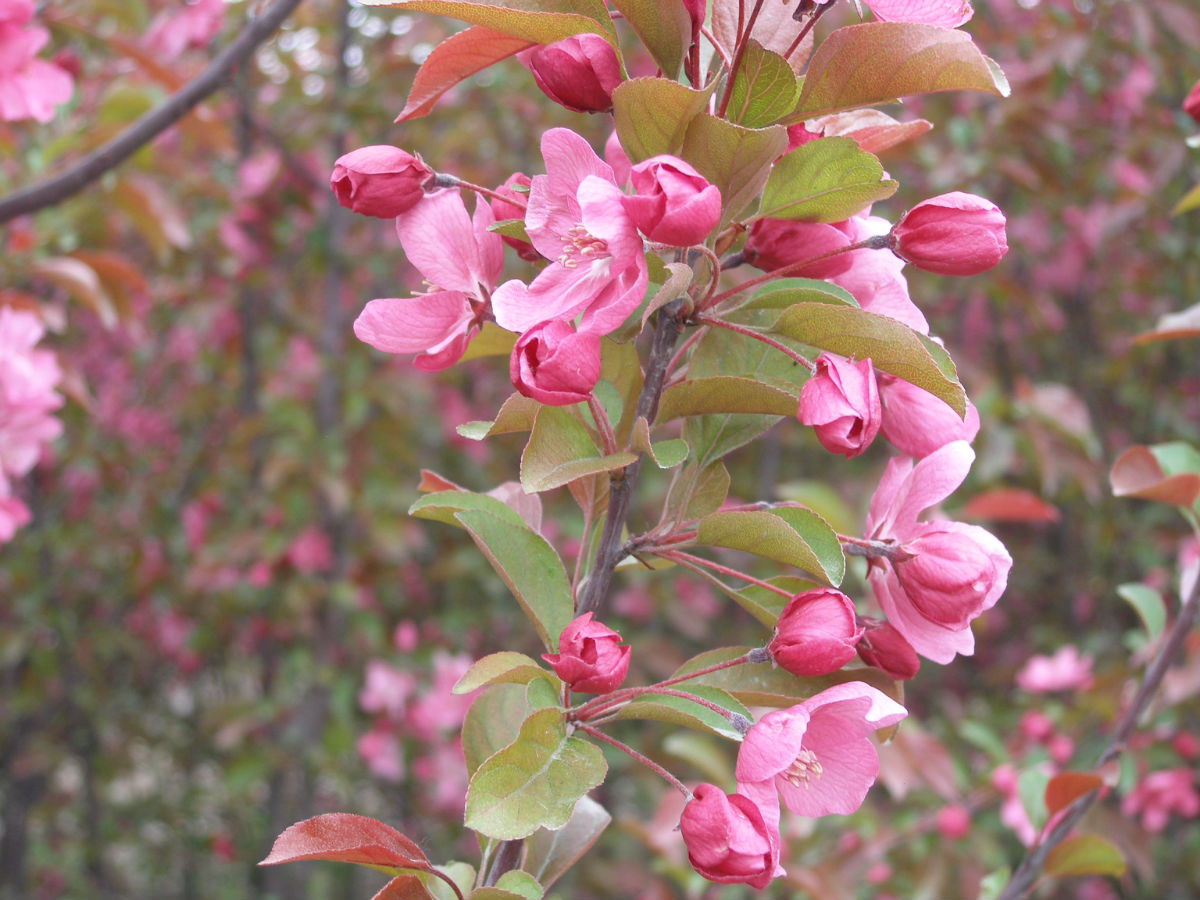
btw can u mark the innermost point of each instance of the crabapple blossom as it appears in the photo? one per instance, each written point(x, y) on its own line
point(817, 755)
point(576, 218)
point(462, 259)
point(1191, 103)
point(916, 422)
point(727, 839)
point(951, 234)
point(1065, 670)
point(945, 573)
point(554, 364)
point(1160, 794)
point(380, 180)
point(885, 648)
point(578, 72)
point(30, 88)
point(674, 203)
point(943, 13)
point(841, 402)
point(191, 25)
point(590, 658)
point(816, 633)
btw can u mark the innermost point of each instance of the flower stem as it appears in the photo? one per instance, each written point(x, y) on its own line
point(444, 180)
point(871, 243)
point(644, 760)
point(587, 711)
point(603, 425)
point(714, 322)
point(695, 562)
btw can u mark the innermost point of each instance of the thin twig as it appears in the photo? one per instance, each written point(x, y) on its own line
point(149, 126)
point(1027, 872)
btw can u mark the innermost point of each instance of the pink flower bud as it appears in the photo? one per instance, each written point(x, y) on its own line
point(883, 647)
point(816, 633)
point(514, 209)
point(674, 203)
point(554, 364)
point(590, 658)
point(841, 402)
point(951, 577)
point(380, 181)
point(951, 234)
point(775, 243)
point(953, 822)
point(1191, 103)
point(727, 839)
point(579, 72)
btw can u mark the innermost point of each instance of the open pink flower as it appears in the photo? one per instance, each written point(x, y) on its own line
point(1065, 670)
point(816, 756)
point(944, 13)
point(30, 88)
point(945, 573)
point(462, 260)
point(727, 839)
point(917, 423)
point(576, 219)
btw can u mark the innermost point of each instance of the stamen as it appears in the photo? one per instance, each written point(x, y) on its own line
point(580, 243)
point(804, 768)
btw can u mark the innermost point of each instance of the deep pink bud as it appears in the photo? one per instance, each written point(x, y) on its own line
point(952, 234)
point(554, 364)
point(816, 633)
point(883, 647)
point(727, 839)
point(514, 209)
point(380, 181)
point(841, 402)
point(775, 243)
point(579, 72)
point(590, 658)
point(951, 577)
point(674, 203)
point(953, 822)
point(1191, 103)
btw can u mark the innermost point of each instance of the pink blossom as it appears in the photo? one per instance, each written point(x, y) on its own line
point(727, 839)
point(13, 514)
point(1065, 670)
point(952, 234)
point(442, 775)
point(1160, 794)
point(945, 573)
point(591, 658)
point(386, 689)
point(310, 552)
point(817, 755)
point(579, 72)
point(30, 88)
point(380, 750)
point(886, 649)
point(438, 710)
point(462, 260)
point(953, 822)
point(514, 209)
point(176, 30)
point(554, 364)
point(816, 633)
point(577, 219)
point(841, 402)
point(1191, 103)
point(917, 423)
point(674, 203)
point(1012, 810)
point(380, 180)
point(943, 13)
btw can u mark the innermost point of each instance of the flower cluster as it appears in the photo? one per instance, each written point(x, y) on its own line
point(27, 401)
point(30, 88)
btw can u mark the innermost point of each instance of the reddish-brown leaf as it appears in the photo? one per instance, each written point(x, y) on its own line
point(432, 482)
point(1066, 787)
point(1137, 473)
point(404, 887)
point(344, 837)
point(459, 56)
point(1010, 505)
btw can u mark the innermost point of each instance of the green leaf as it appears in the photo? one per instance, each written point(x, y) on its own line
point(761, 684)
point(665, 454)
point(1085, 854)
point(548, 21)
point(992, 884)
point(516, 414)
point(902, 58)
point(520, 883)
point(679, 711)
point(1188, 202)
point(530, 568)
point(535, 781)
point(789, 535)
point(493, 721)
point(560, 450)
point(735, 158)
point(826, 180)
point(652, 116)
point(765, 89)
point(764, 604)
point(499, 668)
point(494, 893)
point(1148, 603)
point(458, 57)
point(713, 437)
point(890, 345)
point(550, 853)
point(664, 26)
point(785, 292)
point(1031, 789)
point(442, 506)
point(704, 396)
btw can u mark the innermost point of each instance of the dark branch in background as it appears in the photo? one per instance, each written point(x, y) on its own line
point(152, 124)
point(1031, 866)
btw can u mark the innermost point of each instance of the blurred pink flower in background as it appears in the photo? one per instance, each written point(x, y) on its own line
point(30, 88)
point(1065, 670)
point(1162, 793)
point(191, 27)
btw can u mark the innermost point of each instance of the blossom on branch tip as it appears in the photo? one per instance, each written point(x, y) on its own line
point(579, 72)
point(728, 840)
point(816, 756)
point(841, 402)
point(674, 203)
point(952, 234)
point(380, 180)
point(554, 364)
point(816, 633)
point(591, 658)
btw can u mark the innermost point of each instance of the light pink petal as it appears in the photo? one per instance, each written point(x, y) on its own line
point(880, 516)
point(848, 763)
point(944, 13)
point(490, 244)
point(858, 702)
point(605, 217)
point(763, 795)
point(556, 293)
point(439, 239)
point(413, 324)
point(929, 640)
point(569, 160)
point(931, 481)
point(918, 423)
point(771, 744)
